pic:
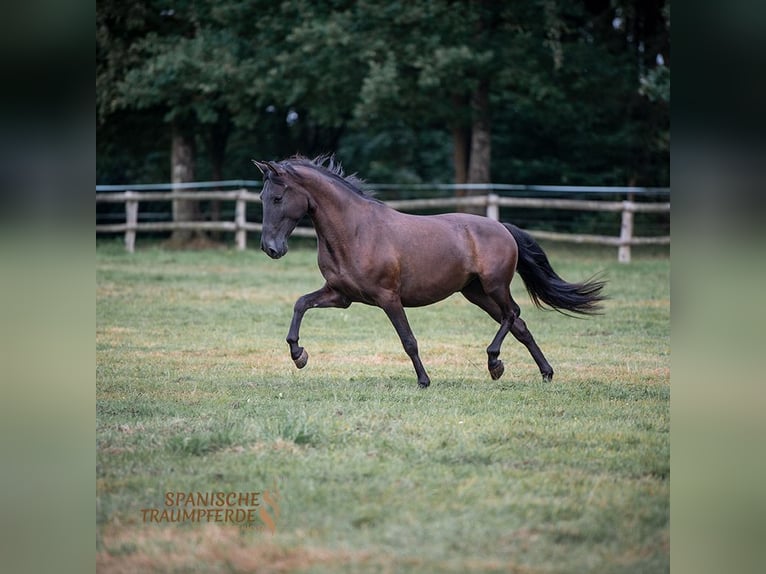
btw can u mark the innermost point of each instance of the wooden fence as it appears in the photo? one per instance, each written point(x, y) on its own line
point(491, 202)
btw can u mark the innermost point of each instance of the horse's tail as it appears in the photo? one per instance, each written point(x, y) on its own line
point(544, 285)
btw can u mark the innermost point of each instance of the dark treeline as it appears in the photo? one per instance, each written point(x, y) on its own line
point(529, 91)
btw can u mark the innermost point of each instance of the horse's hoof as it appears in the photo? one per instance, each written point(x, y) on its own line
point(424, 384)
point(548, 377)
point(497, 371)
point(301, 361)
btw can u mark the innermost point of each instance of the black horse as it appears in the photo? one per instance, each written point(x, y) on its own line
point(373, 254)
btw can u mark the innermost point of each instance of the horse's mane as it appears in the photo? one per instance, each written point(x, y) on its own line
point(329, 166)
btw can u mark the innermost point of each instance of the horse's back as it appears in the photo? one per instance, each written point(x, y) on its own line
point(478, 225)
point(446, 225)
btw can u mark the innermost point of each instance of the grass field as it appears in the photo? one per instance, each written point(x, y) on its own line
point(196, 392)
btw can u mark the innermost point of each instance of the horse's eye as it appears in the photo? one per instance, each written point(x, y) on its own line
point(277, 199)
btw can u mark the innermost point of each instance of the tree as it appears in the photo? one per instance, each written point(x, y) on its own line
point(537, 91)
point(434, 74)
point(449, 68)
point(182, 64)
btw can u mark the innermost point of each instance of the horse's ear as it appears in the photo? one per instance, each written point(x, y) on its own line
point(267, 167)
point(262, 167)
point(275, 167)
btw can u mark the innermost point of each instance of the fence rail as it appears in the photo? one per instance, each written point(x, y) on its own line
point(491, 203)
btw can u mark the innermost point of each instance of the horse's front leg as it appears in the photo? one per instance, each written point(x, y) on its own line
point(395, 311)
point(324, 297)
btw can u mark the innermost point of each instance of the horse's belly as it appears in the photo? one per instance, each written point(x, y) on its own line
point(419, 300)
point(431, 287)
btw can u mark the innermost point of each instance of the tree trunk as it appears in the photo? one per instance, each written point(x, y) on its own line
point(182, 170)
point(481, 143)
point(219, 135)
point(461, 141)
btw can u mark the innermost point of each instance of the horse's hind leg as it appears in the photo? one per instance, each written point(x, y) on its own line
point(522, 334)
point(518, 328)
point(494, 364)
point(500, 308)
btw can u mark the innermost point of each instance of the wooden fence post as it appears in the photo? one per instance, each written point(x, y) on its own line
point(493, 207)
point(131, 220)
point(626, 232)
point(240, 216)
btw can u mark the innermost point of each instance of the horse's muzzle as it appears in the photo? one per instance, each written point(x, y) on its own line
point(273, 250)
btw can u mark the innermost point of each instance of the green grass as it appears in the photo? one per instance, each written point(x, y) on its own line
point(196, 392)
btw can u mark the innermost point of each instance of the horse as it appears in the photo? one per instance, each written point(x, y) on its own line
point(372, 254)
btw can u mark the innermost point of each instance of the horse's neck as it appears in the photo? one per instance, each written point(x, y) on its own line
point(337, 216)
point(336, 210)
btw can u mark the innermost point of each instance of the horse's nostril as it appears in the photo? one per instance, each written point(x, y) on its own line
point(270, 251)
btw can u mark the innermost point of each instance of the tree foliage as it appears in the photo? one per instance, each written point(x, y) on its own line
point(572, 92)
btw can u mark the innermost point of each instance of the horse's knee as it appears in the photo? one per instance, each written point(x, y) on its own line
point(301, 305)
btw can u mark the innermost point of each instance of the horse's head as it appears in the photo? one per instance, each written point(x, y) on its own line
point(284, 205)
